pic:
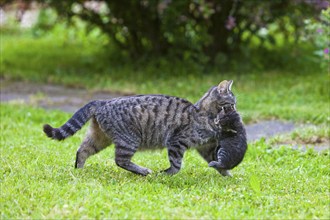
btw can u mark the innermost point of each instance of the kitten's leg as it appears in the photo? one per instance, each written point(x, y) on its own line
point(123, 157)
point(94, 142)
point(175, 155)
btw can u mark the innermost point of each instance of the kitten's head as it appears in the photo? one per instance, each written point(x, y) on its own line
point(227, 117)
point(217, 97)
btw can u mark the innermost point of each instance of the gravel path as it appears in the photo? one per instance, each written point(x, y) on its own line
point(69, 100)
point(268, 129)
point(50, 96)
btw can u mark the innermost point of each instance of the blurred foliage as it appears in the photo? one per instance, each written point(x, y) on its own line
point(231, 35)
point(204, 31)
point(319, 32)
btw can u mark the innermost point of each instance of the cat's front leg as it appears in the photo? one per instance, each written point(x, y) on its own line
point(175, 155)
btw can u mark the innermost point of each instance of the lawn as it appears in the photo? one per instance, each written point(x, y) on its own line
point(38, 180)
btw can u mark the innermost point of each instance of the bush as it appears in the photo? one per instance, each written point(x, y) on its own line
point(199, 30)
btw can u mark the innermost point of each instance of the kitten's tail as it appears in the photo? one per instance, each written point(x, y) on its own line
point(74, 124)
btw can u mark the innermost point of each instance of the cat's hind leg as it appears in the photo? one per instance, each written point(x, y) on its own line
point(95, 141)
point(123, 156)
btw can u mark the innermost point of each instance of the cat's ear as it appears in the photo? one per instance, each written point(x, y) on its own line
point(230, 83)
point(225, 86)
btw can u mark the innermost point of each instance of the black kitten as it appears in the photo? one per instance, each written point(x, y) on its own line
point(232, 141)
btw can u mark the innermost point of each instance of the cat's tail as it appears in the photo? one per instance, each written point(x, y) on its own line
point(74, 124)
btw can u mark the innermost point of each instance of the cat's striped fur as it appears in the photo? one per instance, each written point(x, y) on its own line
point(148, 122)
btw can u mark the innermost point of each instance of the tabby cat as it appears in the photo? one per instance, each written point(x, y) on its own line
point(232, 141)
point(148, 122)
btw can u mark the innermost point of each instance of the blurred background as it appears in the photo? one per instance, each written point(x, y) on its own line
point(226, 35)
point(276, 51)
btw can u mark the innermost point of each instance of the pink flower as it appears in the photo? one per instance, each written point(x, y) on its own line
point(230, 23)
point(326, 51)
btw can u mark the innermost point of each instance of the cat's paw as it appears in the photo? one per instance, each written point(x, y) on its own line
point(145, 172)
point(171, 171)
point(225, 173)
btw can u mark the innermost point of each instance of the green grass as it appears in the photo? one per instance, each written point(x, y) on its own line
point(61, 57)
point(305, 135)
point(38, 180)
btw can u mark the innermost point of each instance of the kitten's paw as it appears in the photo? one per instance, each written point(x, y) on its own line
point(214, 164)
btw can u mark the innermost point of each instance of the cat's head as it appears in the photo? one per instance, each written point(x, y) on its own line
point(217, 97)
